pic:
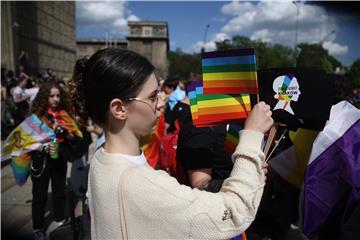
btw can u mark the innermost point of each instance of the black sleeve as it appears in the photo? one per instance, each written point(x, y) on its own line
point(168, 114)
point(197, 149)
point(75, 148)
point(170, 118)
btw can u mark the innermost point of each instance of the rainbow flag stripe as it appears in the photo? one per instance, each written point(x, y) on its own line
point(232, 138)
point(216, 109)
point(230, 72)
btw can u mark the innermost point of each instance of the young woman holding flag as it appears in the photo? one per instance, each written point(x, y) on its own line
point(130, 200)
point(41, 145)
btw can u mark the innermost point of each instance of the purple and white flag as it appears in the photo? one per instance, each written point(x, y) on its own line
point(333, 172)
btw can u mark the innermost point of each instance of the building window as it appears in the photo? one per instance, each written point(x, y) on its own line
point(159, 31)
point(135, 31)
point(147, 31)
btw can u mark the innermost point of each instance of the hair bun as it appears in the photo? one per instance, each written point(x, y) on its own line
point(76, 84)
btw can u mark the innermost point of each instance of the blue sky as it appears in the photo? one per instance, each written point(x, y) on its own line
point(269, 21)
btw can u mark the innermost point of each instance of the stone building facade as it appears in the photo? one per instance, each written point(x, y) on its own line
point(149, 38)
point(46, 30)
point(87, 47)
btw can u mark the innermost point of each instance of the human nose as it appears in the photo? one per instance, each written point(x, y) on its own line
point(160, 103)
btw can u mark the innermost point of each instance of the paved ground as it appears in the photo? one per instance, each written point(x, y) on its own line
point(16, 220)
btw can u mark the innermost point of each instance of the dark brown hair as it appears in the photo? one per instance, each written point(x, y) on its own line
point(40, 104)
point(110, 73)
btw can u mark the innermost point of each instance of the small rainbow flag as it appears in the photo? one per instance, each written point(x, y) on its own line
point(230, 72)
point(193, 101)
point(216, 109)
point(232, 138)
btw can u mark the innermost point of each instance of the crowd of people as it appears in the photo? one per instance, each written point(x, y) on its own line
point(116, 95)
point(18, 90)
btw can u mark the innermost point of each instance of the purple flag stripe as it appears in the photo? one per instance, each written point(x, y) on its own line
point(237, 52)
point(331, 179)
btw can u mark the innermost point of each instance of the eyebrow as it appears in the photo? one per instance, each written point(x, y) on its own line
point(155, 91)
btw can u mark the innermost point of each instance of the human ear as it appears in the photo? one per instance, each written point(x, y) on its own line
point(117, 109)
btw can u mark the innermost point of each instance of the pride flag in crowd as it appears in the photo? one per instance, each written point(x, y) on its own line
point(291, 163)
point(230, 72)
point(216, 109)
point(332, 178)
point(193, 101)
point(232, 138)
point(27, 137)
point(30, 135)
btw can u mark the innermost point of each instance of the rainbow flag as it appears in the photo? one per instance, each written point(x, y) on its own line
point(63, 119)
point(230, 72)
point(232, 138)
point(30, 135)
point(193, 101)
point(25, 138)
point(216, 109)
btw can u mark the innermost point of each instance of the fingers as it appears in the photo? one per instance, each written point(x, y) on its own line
point(265, 169)
point(260, 118)
point(267, 107)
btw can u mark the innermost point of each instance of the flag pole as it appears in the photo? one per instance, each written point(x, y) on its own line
point(276, 145)
point(271, 138)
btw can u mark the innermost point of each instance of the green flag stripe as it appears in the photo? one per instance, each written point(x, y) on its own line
point(229, 68)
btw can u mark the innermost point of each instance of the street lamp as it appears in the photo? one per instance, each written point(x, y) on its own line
point(205, 37)
point(326, 37)
point(296, 29)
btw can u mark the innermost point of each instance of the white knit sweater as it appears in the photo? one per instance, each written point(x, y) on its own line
point(135, 202)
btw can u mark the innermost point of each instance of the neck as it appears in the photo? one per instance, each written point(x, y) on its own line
point(120, 140)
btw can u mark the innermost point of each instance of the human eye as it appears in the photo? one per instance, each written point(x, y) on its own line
point(153, 97)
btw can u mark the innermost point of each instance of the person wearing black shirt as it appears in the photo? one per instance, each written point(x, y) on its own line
point(201, 151)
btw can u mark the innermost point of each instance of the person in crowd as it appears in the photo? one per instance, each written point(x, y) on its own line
point(49, 76)
point(21, 99)
point(51, 106)
point(8, 106)
point(175, 94)
point(130, 200)
point(24, 60)
point(21, 72)
point(201, 151)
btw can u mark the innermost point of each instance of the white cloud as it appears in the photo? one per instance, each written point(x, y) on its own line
point(210, 45)
point(263, 35)
point(133, 17)
point(108, 16)
point(275, 22)
point(335, 48)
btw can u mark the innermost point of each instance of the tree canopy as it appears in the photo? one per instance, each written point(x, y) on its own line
point(268, 56)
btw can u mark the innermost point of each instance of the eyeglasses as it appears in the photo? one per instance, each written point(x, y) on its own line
point(154, 99)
